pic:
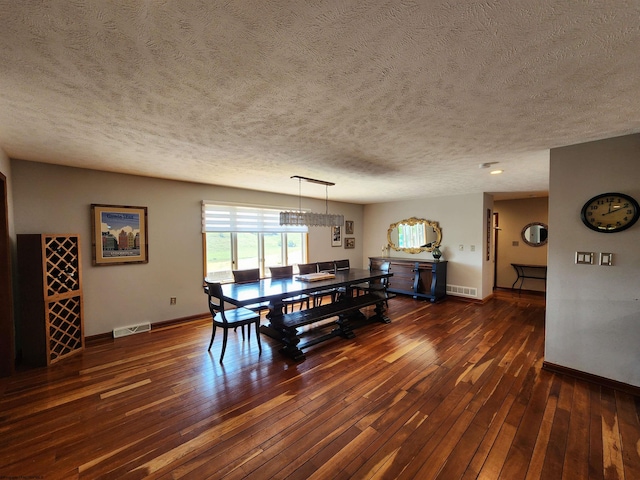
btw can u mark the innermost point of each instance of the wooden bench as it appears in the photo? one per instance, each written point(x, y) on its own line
point(285, 327)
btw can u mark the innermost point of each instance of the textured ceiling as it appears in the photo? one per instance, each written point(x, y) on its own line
point(388, 99)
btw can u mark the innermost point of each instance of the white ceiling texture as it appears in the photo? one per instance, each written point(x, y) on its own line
point(389, 99)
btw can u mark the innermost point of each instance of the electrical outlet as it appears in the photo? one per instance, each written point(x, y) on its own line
point(584, 258)
point(172, 301)
point(606, 259)
point(473, 248)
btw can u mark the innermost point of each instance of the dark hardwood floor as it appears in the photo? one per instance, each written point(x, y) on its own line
point(453, 390)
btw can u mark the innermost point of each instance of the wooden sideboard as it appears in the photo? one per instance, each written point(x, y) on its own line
point(420, 279)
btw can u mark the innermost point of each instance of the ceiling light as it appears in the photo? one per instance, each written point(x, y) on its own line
point(311, 219)
point(496, 172)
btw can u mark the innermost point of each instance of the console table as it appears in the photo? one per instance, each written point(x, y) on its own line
point(420, 279)
point(523, 271)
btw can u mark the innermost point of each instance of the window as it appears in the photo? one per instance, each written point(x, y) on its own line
point(239, 237)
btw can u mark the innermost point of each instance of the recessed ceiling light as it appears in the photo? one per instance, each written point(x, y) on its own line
point(496, 172)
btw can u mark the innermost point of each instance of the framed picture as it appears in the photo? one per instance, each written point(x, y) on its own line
point(350, 242)
point(336, 236)
point(119, 234)
point(348, 227)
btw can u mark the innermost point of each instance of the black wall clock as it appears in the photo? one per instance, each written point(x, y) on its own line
point(610, 212)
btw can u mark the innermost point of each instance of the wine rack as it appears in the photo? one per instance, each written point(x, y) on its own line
point(51, 305)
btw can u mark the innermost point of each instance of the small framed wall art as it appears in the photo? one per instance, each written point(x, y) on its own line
point(348, 227)
point(336, 236)
point(350, 242)
point(119, 234)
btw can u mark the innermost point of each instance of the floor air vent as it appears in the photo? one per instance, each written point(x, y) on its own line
point(124, 331)
point(462, 291)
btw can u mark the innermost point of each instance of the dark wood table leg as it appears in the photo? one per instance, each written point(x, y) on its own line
point(290, 340)
point(379, 315)
point(276, 309)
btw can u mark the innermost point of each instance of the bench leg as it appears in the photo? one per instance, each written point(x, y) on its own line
point(290, 340)
point(344, 325)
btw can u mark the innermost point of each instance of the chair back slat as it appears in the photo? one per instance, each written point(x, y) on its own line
point(328, 267)
point(216, 304)
point(342, 264)
point(384, 267)
point(305, 268)
point(248, 275)
point(281, 272)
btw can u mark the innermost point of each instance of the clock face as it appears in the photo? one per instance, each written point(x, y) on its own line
point(610, 212)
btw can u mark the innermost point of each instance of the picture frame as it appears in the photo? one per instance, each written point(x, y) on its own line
point(350, 242)
point(336, 236)
point(348, 227)
point(119, 235)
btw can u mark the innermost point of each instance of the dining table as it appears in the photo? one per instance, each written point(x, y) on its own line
point(285, 326)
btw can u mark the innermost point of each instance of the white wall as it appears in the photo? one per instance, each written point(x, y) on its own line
point(462, 220)
point(513, 215)
point(54, 199)
point(593, 311)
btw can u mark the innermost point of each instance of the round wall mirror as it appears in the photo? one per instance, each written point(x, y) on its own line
point(535, 234)
point(414, 235)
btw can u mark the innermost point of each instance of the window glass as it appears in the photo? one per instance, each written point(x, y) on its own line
point(248, 253)
point(273, 253)
point(296, 248)
point(219, 260)
point(239, 237)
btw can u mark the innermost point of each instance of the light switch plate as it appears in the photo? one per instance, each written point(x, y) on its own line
point(606, 258)
point(584, 258)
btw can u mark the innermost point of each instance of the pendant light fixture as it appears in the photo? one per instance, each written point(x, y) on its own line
point(311, 219)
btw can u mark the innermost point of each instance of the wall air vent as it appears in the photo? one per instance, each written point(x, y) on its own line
point(124, 331)
point(459, 291)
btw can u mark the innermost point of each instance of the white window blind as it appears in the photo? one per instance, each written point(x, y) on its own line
point(238, 218)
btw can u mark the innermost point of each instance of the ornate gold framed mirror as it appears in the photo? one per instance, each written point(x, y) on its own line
point(414, 235)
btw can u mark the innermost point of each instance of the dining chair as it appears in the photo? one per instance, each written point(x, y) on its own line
point(305, 268)
point(377, 285)
point(287, 272)
point(341, 266)
point(246, 276)
point(226, 319)
point(328, 267)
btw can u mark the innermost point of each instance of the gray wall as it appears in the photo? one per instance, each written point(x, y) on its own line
point(593, 311)
point(462, 219)
point(54, 199)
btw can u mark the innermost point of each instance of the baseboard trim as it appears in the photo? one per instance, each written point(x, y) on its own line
point(99, 339)
point(477, 301)
point(179, 321)
point(103, 338)
point(589, 377)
